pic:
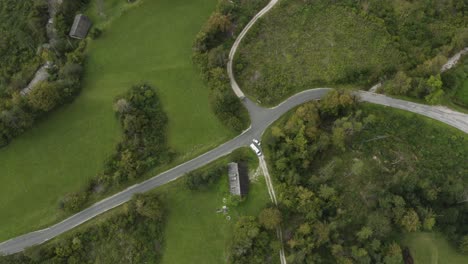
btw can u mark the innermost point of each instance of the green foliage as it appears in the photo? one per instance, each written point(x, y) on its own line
point(144, 142)
point(133, 235)
point(251, 243)
point(196, 180)
point(270, 218)
point(434, 84)
point(400, 86)
point(73, 202)
point(64, 82)
point(22, 27)
point(43, 97)
point(345, 201)
point(455, 82)
point(211, 49)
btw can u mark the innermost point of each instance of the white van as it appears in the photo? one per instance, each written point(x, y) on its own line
point(255, 149)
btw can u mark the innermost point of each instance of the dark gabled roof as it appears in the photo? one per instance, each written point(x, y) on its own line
point(80, 27)
point(238, 179)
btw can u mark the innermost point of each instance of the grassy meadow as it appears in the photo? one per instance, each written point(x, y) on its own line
point(150, 42)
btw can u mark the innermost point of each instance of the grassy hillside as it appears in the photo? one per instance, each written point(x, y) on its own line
point(305, 44)
point(150, 42)
point(314, 46)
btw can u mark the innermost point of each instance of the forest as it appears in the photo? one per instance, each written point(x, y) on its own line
point(352, 178)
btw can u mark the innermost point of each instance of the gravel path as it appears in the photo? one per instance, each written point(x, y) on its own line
point(454, 60)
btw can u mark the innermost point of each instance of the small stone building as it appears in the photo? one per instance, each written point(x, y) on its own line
point(238, 179)
point(80, 27)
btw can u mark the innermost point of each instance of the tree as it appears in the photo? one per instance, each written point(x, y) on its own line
point(270, 218)
point(337, 102)
point(148, 205)
point(400, 85)
point(410, 221)
point(434, 86)
point(44, 97)
point(393, 255)
point(364, 233)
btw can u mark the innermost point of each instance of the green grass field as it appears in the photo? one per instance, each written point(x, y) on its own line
point(431, 248)
point(195, 233)
point(315, 46)
point(150, 42)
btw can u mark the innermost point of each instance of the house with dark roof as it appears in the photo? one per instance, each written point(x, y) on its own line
point(238, 179)
point(80, 27)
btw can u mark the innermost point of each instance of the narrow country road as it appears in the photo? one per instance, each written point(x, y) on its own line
point(261, 119)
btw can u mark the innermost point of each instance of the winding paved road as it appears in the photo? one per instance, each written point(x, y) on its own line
point(261, 119)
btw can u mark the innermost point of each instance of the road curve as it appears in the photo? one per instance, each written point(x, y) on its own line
point(261, 119)
point(232, 53)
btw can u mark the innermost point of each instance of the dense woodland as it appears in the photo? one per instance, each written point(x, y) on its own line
point(133, 234)
point(24, 52)
point(143, 146)
point(22, 27)
point(353, 178)
point(211, 51)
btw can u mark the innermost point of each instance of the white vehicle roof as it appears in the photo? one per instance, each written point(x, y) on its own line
point(255, 149)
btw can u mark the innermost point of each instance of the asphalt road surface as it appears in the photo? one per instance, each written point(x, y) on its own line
point(261, 119)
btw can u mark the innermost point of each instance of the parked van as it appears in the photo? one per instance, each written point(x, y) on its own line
point(255, 149)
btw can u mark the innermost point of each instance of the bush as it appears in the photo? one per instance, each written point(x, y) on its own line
point(197, 180)
point(95, 33)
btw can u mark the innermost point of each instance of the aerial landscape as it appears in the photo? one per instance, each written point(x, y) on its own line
point(234, 131)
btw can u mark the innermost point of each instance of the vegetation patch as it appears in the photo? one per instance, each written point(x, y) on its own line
point(133, 234)
point(64, 56)
point(211, 50)
point(455, 82)
point(144, 145)
point(305, 44)
point(23, 30)
point(355, 177)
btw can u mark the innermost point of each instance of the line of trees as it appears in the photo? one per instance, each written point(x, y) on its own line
point(211, 50)
point(133, 235)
